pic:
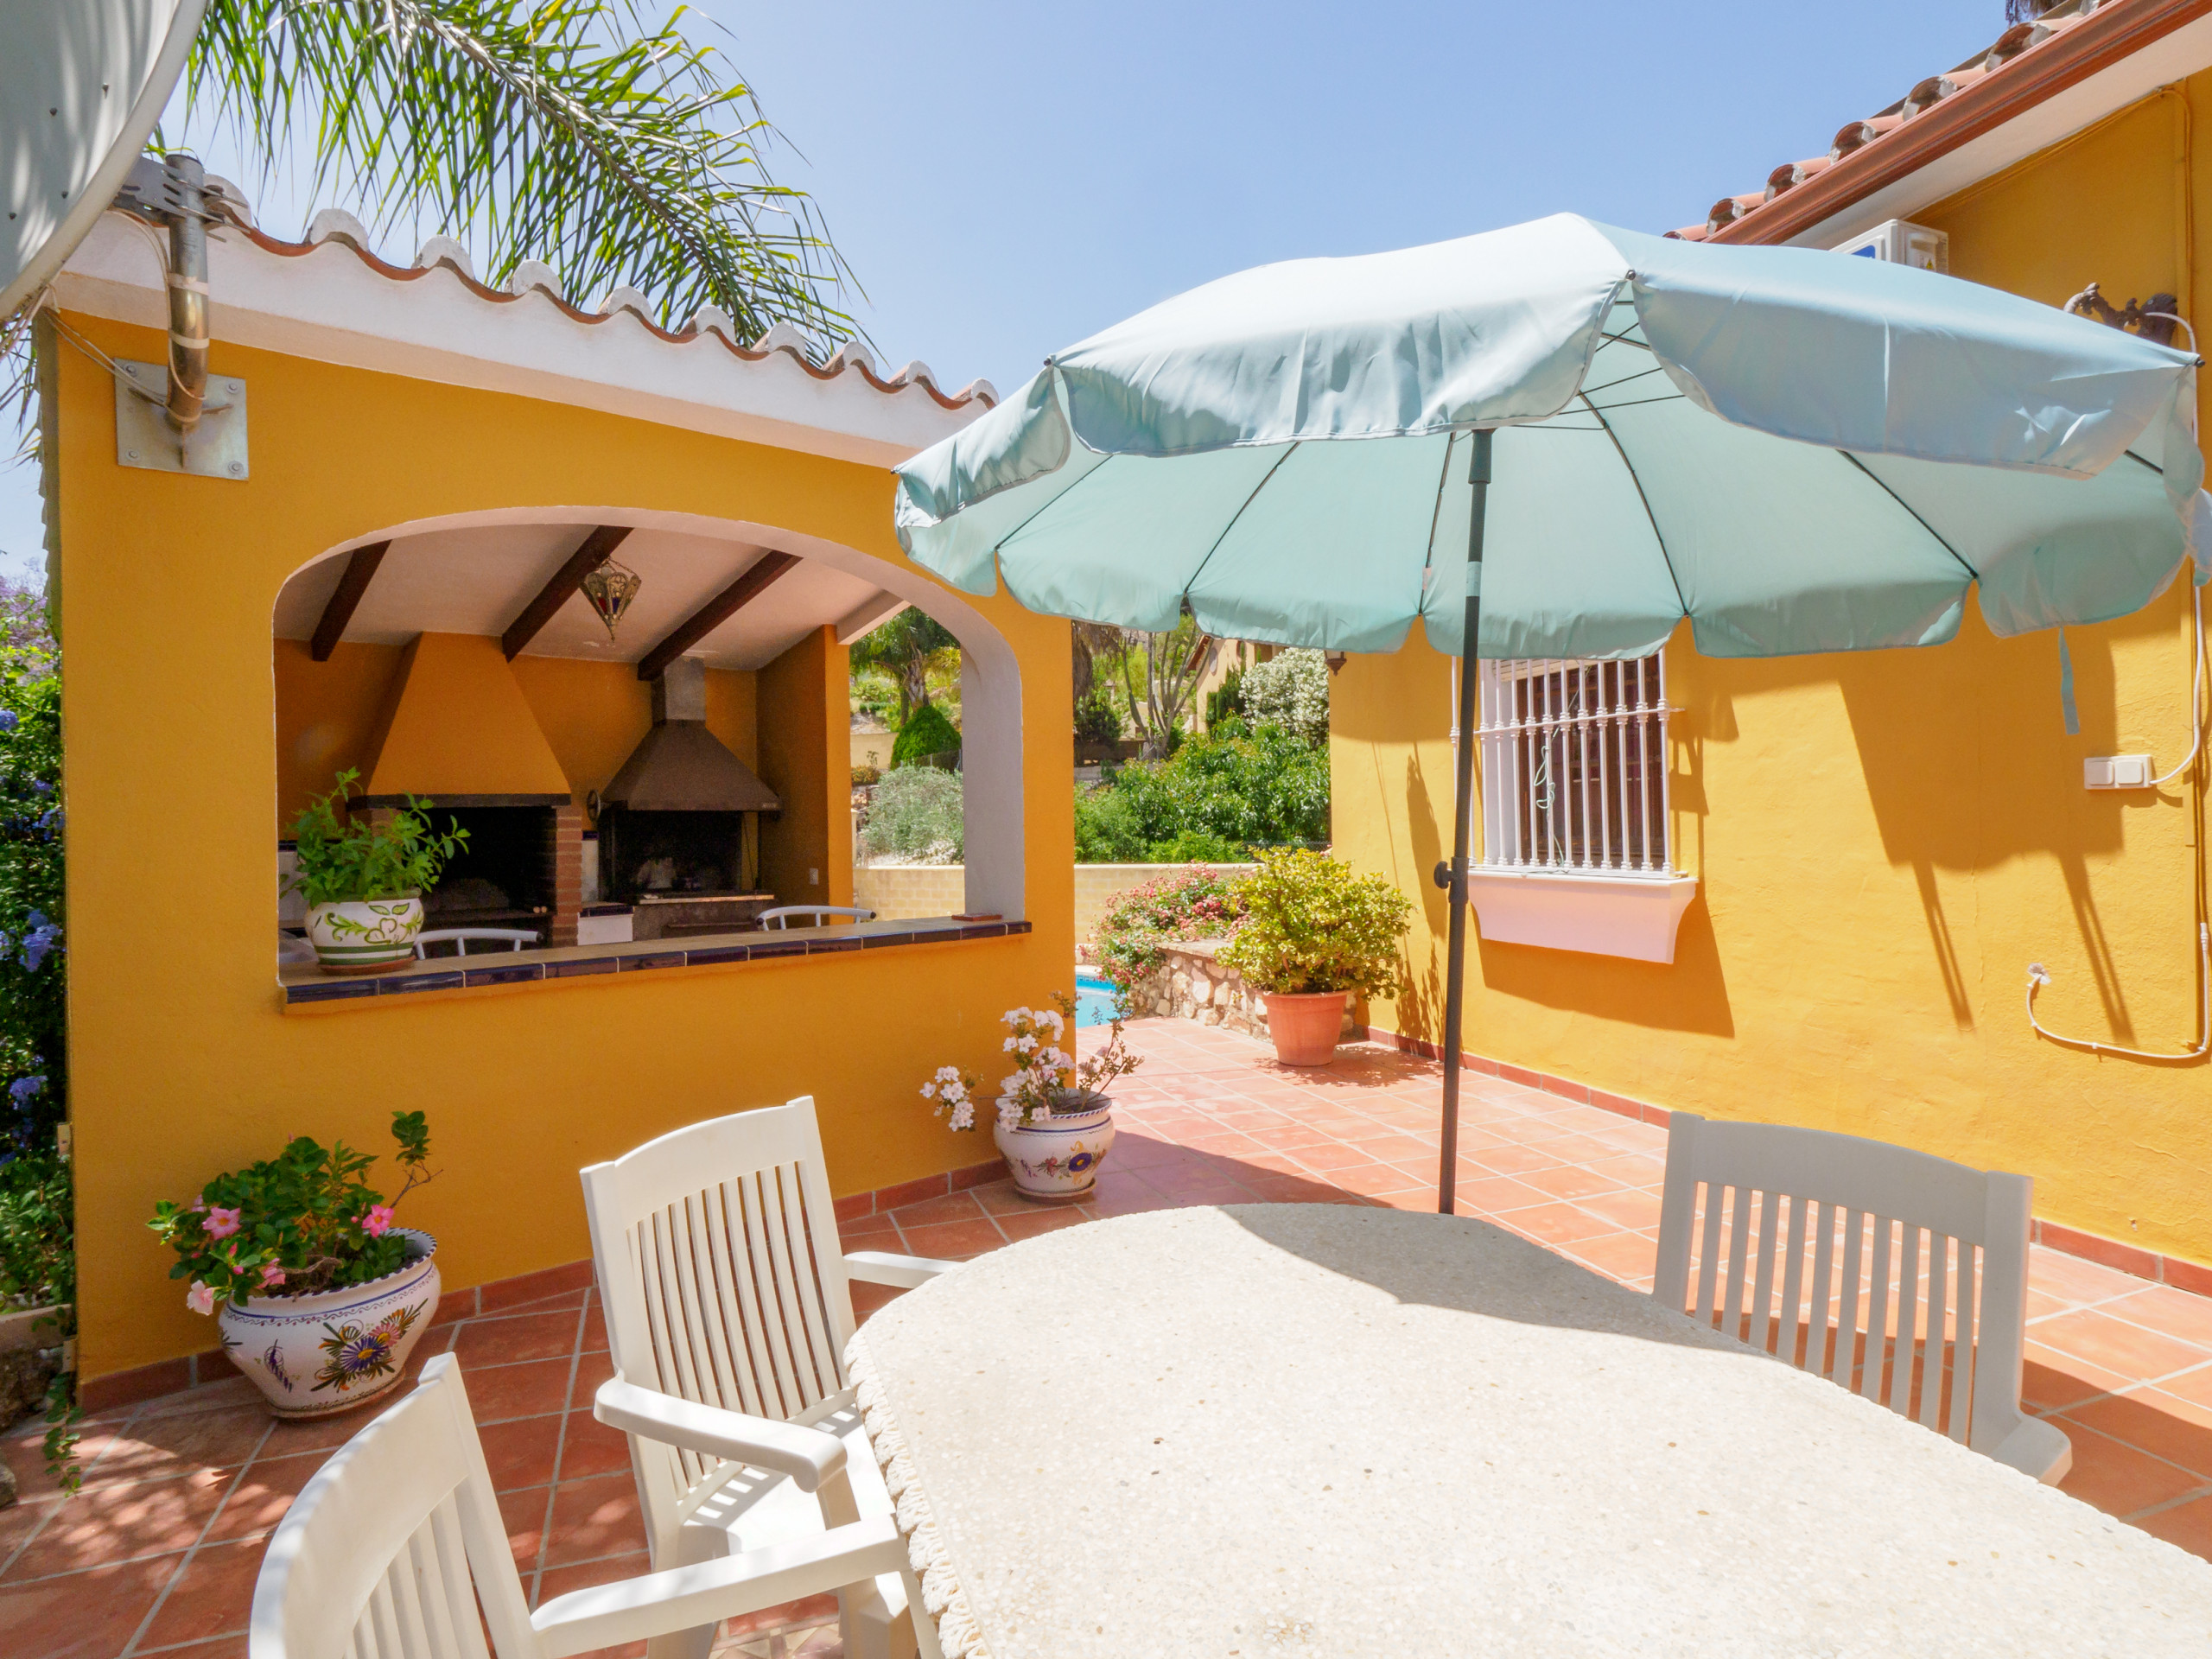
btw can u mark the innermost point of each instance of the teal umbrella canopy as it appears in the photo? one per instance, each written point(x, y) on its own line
point(1797, 451)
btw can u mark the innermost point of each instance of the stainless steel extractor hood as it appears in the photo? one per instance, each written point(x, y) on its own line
point(681, 766)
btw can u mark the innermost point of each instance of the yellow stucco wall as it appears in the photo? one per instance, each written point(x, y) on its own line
point(806, 852)
point(184, 1061)
point(1884, 841)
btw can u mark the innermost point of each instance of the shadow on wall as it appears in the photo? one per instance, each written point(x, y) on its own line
point(1691, 994)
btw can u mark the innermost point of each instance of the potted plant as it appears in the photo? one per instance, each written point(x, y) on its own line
point(1055, 1122)
point(1312, 932)
point(319, 1297)
point(364, 880)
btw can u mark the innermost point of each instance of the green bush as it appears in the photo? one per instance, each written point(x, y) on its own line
point(915, 813)
point(1129, 942)
point(1311, 924)
point(1097, 719)
point(927, 732)
point(1216, 796)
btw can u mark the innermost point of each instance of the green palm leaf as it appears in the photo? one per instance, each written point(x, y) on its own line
point(569, 132)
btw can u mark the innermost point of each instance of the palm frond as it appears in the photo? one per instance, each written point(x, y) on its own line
point(570, 131)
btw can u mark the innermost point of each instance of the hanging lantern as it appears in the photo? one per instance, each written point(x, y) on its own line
point(608, 590)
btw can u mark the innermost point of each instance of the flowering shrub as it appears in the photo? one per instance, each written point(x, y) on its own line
point(1045, 1079)
point(1291, 690)
point(1128, 945)
point(1311, 924)
point(301, 1221)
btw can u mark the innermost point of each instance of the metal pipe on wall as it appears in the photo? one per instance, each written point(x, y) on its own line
point(188, 291)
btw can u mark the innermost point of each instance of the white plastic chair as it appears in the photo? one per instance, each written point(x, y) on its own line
point(779, 917)
point(729, 1304)
point(507, 939)
point(395, 1548)
point(1976, 1228)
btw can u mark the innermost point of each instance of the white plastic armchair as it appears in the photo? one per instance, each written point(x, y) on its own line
point(728, 1306)
point(1934, 1349)
point(396, 1550)
point(502, 938)
point(783, 915)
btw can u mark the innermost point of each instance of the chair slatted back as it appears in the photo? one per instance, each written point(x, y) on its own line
point(1898, 1274)
point(717, 1255)
point(396, 1549)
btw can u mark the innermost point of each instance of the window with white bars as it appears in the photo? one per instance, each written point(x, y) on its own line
point(1574, 767)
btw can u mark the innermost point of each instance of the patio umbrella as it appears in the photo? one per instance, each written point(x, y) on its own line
point(1561, 439)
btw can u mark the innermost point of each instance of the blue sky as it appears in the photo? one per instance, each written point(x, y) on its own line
point(1006, 179)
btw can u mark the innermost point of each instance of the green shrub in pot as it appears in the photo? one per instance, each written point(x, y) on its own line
point(1314, 929)
point(364, 878)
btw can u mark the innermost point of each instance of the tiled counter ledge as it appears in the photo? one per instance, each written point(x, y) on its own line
point(305, 985)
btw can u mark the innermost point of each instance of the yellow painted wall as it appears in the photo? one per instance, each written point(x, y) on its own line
point(454, 722)
point(1884, 841)
point(183, 1059)
point(327, 717)
point(806, 852)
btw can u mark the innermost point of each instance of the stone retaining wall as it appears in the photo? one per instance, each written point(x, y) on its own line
point(1195, 985)
point(906, 891)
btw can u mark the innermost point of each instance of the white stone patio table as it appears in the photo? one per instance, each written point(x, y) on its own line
point(1317, 1429)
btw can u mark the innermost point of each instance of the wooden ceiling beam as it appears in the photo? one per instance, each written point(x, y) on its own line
point(755, 581)
point(597, 549)
point(339, 609)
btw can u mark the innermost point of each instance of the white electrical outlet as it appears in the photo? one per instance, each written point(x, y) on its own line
point(814, 878)
point(2116, 772)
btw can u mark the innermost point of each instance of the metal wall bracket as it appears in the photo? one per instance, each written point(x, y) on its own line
point(143, 436)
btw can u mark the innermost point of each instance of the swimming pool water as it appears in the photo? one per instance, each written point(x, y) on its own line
point(1094, 1001)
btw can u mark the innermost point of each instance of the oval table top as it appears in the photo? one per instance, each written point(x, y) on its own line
point(1285, 1429)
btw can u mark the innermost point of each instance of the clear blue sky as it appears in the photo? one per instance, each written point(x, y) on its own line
point(1008, 178)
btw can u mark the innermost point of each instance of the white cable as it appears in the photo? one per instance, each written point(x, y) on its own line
point(2038, 976)
point(2196, 688)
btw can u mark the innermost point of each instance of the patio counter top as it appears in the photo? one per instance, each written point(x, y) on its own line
point(1310, 1428)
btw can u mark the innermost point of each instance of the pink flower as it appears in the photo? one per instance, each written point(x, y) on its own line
point(377, 1222)
point(271, 1275)
point(200, 1299)
point(221, 1222)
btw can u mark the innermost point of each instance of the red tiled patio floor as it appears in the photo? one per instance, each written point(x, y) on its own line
point(159, 1553)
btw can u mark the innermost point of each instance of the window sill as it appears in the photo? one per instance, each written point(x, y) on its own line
point(304, 985)
point(1627, 916)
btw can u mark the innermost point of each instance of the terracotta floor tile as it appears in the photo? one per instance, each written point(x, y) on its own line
point(1329, 1155)
point(2188, 1525)
point(520, 1452)
point(86, 1614)
point(592, 1370)
point(1559, 1224)
point(1627, 1256)
point(594, 1517)
point(211, 1596)
point(257, 1502)
point(955, 1241)
point(590, 1447)
point(524, 1514)
point(2120, 1479)
point(2049, 1379)
point(526, 1336)
point(121, 1522)
point(233, 1390)
point(2075, 1281)
point(2163, 1308)
point(1629, 1208)
point(952, 1207)
point(1495, 1195)
point(594, 1340)
point(1572, 1181)
point(1377, 1180)
point(559, 1581)
point(324, 1435)
point(1037, 1220)
point(530, 1388)
point(1175, 1179)
point(2194, 1387)
point(1516, 1158)
point(2129, 1350)
point(223, 1647)
point(2141, 1418)
point(1000, 1198)
point(180, 1443)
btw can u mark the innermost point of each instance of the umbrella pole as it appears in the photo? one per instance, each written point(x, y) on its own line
point(1463, 812)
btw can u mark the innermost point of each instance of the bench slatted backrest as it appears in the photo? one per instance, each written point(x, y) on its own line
point(1927, 1257)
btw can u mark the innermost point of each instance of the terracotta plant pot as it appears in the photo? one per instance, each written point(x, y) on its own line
point(1304, 1026)
point(365, 936)
point(317, 1355)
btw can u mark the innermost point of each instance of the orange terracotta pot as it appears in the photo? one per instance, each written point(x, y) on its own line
point(1305, 1026)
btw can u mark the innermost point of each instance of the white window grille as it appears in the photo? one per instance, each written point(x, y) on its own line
point(1574, 767)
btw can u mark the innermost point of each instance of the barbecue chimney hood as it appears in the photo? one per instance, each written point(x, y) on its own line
point(681, 766)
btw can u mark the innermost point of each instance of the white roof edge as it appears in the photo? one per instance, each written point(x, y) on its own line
point(2171, 58)
point(330, 305)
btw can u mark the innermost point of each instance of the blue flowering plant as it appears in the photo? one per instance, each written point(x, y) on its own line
point(301, 1222)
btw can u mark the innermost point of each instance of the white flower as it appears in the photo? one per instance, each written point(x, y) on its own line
point(1051, 1020)
point(929, 1091)
point(1026, 1045)
point(964, 1117)
point(1013, 1082)
point(948, 1074)
point(200, 1299)
point(955, 1093)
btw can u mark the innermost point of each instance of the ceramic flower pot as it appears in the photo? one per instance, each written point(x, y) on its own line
point(365, 936)
point(1305, 1026)
point(1057, 1158)
point(318, 1355)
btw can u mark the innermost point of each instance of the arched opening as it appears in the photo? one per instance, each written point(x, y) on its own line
point(461, 660)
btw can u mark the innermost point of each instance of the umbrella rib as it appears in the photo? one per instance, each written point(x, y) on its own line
point(1235, 516)
point(1916, 519)
point(1000, 544)
point(1436, 512)
point(1636, 402)
point(1640, 374)
point(1666, 558)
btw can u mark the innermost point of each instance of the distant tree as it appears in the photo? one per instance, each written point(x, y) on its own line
point(906, 647)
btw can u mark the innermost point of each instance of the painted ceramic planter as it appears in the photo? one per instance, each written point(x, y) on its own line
point(1305, 1026)
point(1058, 1158)
point(318, 1355)
point(365, 936)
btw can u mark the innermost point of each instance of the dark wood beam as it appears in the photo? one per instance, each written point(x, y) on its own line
point(339, 610)
point(597, 549)
point(716, 612)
